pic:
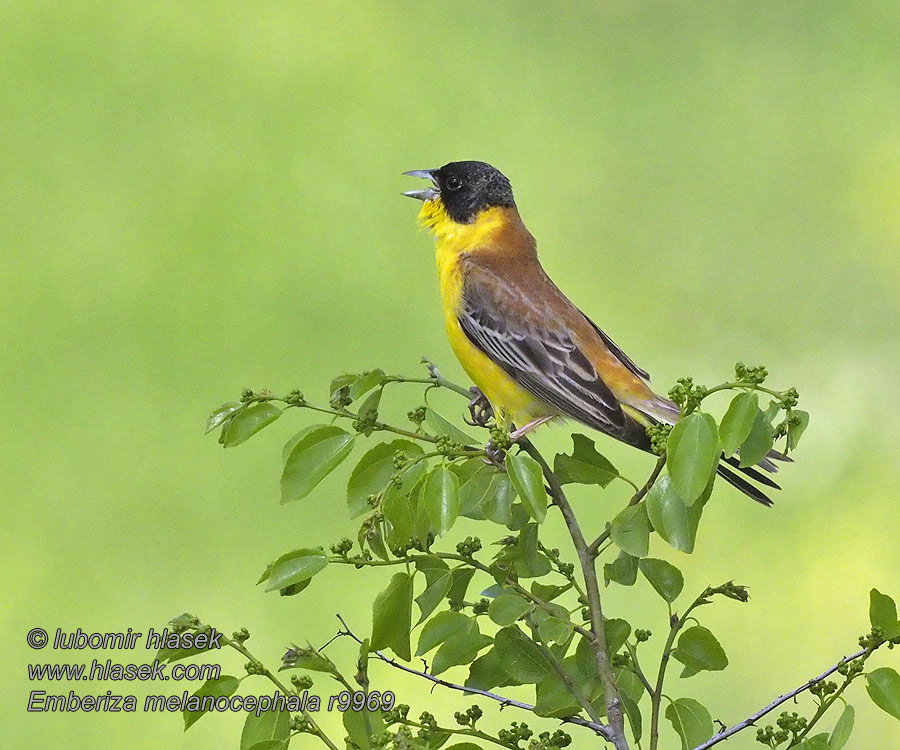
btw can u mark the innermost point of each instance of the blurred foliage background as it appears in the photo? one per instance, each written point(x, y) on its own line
point(201, 197)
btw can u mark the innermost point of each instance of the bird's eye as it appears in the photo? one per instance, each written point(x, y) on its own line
point(453, 183)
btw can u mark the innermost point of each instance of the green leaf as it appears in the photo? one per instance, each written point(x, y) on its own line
point(270, 745)
point(248, 422)
point(554, 625)
point(759, 442)
point(691, 721)
point(486, 493)
point(373, 472)
point(585, 465)
point(371, 535)
point(289, 445)
point(437, 584)
point(464, 746)
point(882, 611)
point(507, 608)
point(400, 504)
point(545, 592)
point(441, 498)
point(522, 659)
point(623, 570)
point(267, 726)
point(525, 557)
point(883, 687)
point(633, 712)
point(519, 517)
point(441, 426)
point(461, 648)
point(365, 382)
point(314, 456)
point(692, 455)
point(631, 530)
point(816, 742)
point(664, 577)
point(699, 650)
point(553, 699)
point(361, 726)
point(738, 421)
point(670, 516)
point(295, 567)
point(400, 514)
point(796, 430)
point(392, 615)
point(526, 476)
point(220, 415)
point(344, 380)
point(225, 685)
point(842, 730)
point(441, 627)
point(422, 526)
point(459, 583)
point(488, 672)
point(617, 632)
point(312, 662)
point(629, 683)
point(368, 411)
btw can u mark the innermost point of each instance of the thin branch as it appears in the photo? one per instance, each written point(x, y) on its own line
point(636, 668)
point(563, 675)
point(466, 732)
point(440, 380)
point(675, 625)
point(600, 729)
point(635, 499)
point(750, 720)
point(614, 710)
point(266, 672)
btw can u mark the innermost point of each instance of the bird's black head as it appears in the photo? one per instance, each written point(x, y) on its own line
point(466, 188)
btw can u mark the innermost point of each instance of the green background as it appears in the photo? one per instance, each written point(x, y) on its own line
point(201, 197)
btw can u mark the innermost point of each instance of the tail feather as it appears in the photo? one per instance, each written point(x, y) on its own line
point(752, 473)
point(660, 409)
point(744, 486)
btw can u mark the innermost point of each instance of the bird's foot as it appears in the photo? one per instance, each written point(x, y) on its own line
point(480, 409)
point(494, 455)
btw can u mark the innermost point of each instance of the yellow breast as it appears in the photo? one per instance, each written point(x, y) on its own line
point(511, 402)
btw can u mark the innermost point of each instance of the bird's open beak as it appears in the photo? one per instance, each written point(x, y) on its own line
point(427, 194)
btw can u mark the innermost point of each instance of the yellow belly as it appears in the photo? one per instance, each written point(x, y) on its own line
point(511, 402)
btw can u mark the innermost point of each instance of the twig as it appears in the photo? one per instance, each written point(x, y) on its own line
point(600, 729)
point(563, 675)
point(442, 381)
point(675, 625)
point(750, 720)
point(615, 732)
point(265, 671)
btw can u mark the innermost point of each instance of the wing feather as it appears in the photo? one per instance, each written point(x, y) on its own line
point(543, 359)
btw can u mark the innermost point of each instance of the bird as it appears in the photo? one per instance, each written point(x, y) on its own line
point(533, 354)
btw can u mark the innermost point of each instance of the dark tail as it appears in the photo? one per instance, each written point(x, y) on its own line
point(743, 485)
point(637, 436)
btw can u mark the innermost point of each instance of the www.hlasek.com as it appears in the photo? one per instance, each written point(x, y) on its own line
point(164, 642)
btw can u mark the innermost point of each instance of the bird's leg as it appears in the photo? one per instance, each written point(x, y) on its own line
point(533, 424)
point(479, 409)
